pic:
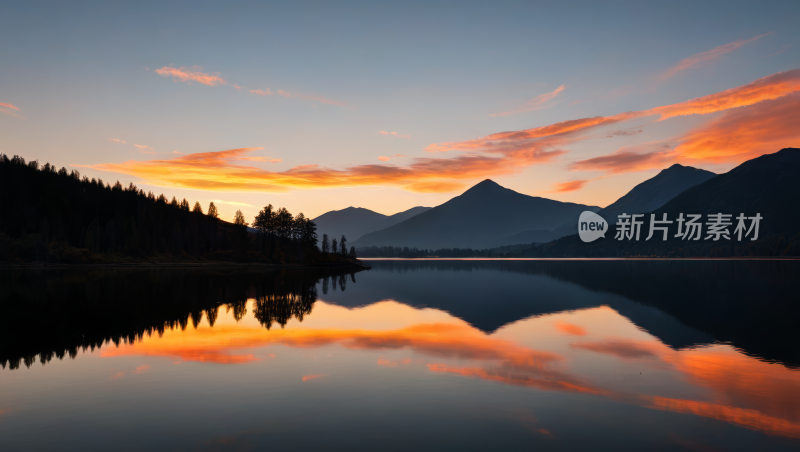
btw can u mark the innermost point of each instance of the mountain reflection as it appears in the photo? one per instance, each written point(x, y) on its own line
point(55, 313)
point(741, 390)
point(751, 304)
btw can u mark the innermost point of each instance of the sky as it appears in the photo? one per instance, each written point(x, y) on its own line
point(318, 106)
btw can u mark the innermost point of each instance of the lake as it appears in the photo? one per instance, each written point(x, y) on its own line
point(417, 354)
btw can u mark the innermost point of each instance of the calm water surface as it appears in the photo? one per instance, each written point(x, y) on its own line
point(424, 355)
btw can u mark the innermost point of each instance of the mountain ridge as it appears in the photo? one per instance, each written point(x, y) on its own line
point(480, 217)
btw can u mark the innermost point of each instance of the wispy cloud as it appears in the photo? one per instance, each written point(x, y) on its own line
point(537, 103)
point(233, 203)
point(192, 74)
point(10, 109)
point(783, 49)
point(635, 158)
point(739, 134)
point(510, 152)
point(713, 54)
point(394, 134)
point(116, 140)
point(384, 158)
point(574, 185)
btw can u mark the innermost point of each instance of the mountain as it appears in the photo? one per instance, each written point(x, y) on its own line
point(486, 215)
point(657, 191)
point(353, 222)
point(768, 185)
point(647, 196)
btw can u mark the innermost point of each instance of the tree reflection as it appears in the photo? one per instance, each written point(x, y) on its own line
point(55, 313)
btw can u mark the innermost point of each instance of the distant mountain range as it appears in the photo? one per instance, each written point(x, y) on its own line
point(489, 216)
point(486, 215)
point(768, 185)
point(647, 196)
point(353, 222)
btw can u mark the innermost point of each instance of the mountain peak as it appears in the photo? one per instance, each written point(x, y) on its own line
point(485, 185)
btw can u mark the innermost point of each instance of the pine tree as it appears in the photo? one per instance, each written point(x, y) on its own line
point(185, 205)
point(197, 208)
point(238, 217)
point(212, 211)
point(264, 221)
point(325, 244)
point(174, 202)
point(333, 246)
point(343, 246)
point(353, 252)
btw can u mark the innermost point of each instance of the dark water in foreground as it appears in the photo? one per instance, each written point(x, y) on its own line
point(423, 355)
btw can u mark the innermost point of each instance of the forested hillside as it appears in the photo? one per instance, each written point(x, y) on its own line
point(57, 216)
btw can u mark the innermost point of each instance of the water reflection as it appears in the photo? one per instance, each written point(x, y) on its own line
point(651, 337)
point(55, 313)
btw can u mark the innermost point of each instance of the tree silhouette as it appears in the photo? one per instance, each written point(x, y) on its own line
point(298, 226)
point(284, 223)
point(334, 245)
point(238, 217)
point(197, 208)
point(212, 211)
point(185, 205)
point(353, 252)
point(325, 244)
point(264, 221)
point(174, 202)
point(343, 246)
point(309, 237)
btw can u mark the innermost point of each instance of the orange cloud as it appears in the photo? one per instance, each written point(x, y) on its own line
point(183, 74)
point(563, 133)
point(261, 92)
point(743, 134)
point(384, 159)
point(736, 136)
point(9, 106)
point(310, 97)
point(219, 171)
point(537, 103)
point(634, 158)
point(311, 377)
point(568, 328)
point(116, 140)
point(574, 185)
point(493, 155)
point(705, 57)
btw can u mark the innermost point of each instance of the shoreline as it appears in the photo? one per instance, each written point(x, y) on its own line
point(235, 265)
point(738, 258)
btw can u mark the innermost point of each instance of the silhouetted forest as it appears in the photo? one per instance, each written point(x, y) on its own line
point(57, 216)
point(54, 313)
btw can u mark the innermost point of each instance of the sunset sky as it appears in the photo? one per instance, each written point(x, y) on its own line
point(387, 106)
